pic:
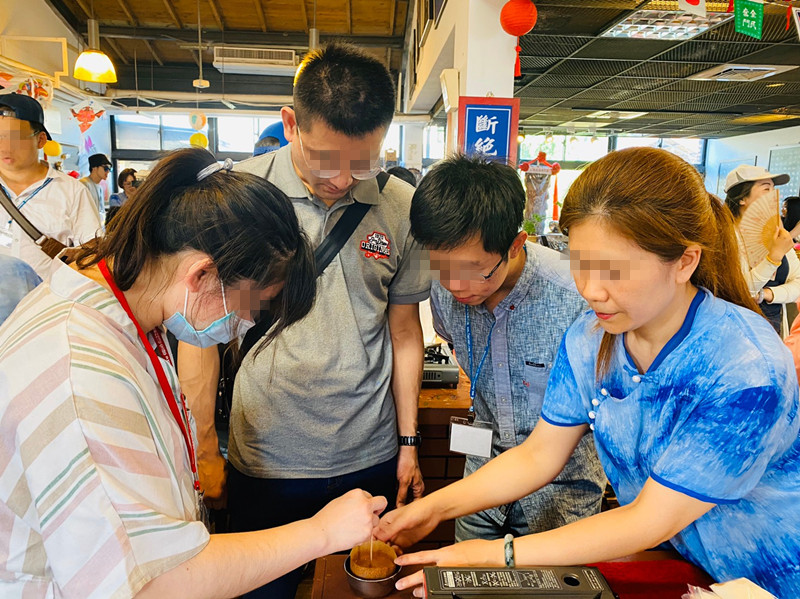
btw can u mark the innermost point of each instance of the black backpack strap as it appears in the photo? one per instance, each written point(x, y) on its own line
point(323, 255)
point(51, 247)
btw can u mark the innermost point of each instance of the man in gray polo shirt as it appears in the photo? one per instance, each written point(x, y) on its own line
point(324, 407)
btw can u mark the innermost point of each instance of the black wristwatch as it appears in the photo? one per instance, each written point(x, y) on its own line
point(414, 441)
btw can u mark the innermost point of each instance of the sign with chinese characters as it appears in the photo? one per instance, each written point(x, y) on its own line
point(749, 17)
point(488, 126)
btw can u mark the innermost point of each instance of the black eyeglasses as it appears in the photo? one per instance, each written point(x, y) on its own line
point(106, 168)
point(491, 272)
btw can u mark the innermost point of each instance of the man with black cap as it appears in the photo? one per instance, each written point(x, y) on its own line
point(55, 203)
point(99, 167)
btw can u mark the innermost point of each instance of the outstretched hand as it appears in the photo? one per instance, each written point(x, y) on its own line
point(468, 553)
point(406, 525)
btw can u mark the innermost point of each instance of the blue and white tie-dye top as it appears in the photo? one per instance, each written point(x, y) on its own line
point(716, 418)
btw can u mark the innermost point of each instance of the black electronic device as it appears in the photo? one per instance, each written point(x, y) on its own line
point(556, 582)
point(439, 368)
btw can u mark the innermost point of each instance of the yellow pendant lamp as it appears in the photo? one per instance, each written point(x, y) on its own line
point(93, 65)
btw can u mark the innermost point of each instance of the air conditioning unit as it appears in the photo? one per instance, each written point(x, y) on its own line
point(741, 72)
point(255, 61)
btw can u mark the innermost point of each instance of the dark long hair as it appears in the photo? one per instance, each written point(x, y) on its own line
point(792, 213)
point(658, 201)
point(735, 195)
point(245, 224)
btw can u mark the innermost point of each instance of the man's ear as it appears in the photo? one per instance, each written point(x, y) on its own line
point(289, 123)
point(518, 244)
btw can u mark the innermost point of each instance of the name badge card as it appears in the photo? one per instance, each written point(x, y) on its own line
point(470, 439)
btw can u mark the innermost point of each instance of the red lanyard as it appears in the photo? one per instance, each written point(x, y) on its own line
point(179, 413)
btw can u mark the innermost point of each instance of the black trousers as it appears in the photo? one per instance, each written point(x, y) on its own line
point(259, 503)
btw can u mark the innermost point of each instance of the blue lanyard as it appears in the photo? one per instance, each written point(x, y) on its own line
point(30, 197)
point(473, 375)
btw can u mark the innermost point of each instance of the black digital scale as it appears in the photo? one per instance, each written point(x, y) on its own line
point(574, 582)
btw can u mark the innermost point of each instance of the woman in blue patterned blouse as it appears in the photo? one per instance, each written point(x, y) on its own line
point(692, 397)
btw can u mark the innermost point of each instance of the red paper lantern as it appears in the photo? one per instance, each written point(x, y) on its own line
point(518, 17)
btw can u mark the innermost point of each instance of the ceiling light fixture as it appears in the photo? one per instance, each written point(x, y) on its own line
point(665, 25)
point(93, 64)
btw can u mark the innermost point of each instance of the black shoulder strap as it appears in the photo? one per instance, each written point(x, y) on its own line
point(26, 225)
point(51, 247)
point(323, 255)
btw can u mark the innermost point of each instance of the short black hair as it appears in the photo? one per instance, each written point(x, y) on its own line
point(464, 197)
point(344, 87)
point(403, 174)
point(735, 195)
point(268, 142)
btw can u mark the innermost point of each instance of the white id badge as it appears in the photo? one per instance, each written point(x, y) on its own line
point(470, 439)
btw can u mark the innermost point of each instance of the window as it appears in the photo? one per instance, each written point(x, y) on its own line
point(638, 142)
point(434, 142)
point(176, 131)
point(239, 133)
point(392, 142)
point(586, 148)
point(690, 149)
point(138, 132)
point(144, 132)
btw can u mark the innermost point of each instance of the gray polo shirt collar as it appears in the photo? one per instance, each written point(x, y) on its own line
point(287, 179)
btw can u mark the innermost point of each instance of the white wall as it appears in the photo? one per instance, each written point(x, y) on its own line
point(469, 38)
point(745, 148)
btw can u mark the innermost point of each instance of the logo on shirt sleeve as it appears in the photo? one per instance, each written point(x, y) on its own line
point(376, 246)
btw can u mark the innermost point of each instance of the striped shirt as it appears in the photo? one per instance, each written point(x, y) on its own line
point(96, 494)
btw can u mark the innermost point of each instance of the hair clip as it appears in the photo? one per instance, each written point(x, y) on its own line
point(213, 168)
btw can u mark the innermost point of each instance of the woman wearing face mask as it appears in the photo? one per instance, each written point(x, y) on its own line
point(775, 281)
point(99, 495)
point(693, 404)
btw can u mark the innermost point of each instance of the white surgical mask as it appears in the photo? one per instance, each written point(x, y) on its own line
point(223, 330)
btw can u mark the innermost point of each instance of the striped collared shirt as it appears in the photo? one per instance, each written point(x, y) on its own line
point(96, 494)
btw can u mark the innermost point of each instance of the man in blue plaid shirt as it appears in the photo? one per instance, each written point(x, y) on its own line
point(504, 303)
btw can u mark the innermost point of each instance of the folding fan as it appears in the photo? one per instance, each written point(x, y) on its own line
point(758, 225)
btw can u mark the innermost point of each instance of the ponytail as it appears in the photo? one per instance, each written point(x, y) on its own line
point(246, 225)
point(139, 231)
point(720, 269)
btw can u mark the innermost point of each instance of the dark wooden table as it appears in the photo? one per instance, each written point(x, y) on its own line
point(330, 581)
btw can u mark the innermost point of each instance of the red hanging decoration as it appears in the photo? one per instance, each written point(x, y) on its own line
point(518, 17)
point(730, 6)
point(789, 16)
